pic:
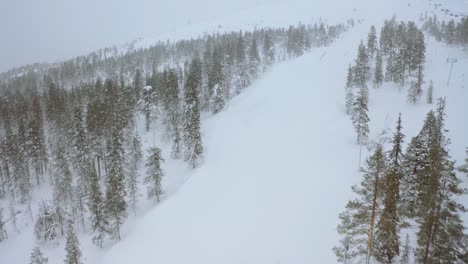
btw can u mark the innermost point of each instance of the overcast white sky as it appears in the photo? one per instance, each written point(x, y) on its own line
point(48, 30)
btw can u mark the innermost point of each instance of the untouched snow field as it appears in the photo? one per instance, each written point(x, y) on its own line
point(280, 160)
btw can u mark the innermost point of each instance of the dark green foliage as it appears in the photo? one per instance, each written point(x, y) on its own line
point(387, 235)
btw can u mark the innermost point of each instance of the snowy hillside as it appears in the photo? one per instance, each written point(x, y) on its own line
point(280, 159)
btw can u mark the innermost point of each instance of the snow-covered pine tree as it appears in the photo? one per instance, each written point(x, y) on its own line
point(116, 206)
point(49, 222)
point(360, 118)
point(154, 173)
point(38, 150)
point(217, 100)
point(241, 79)
point(387, 235)
point(416, 166)
point(37, 257)
point(362, 68)
point(441, 238)
point(191, 127)
point(172, 110)
point(254, 58)
point(80, 153)
point(97, 216)
point(358, 221)
point(378, 73)
point(62, 177)
point(133, 151)
point(268, 50)
point(349, 91)
point(146, 103)
point(72, 247)
point(419, 60)
point(372, 42)
point(430, 91)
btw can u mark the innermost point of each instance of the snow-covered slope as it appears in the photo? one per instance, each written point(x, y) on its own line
point(279, 166)
point(279, 160)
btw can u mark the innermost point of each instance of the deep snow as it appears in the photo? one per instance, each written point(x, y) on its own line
point(279, 161)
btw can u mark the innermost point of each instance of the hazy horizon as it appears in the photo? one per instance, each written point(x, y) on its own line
point(52, 30)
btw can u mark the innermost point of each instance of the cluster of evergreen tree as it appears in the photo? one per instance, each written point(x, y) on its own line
point(243, 49)
point(401, 51)
point(451, 32)
point(405, 189)
point(73, 125)
point(72, 248)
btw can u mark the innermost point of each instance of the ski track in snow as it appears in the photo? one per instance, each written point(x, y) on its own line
point(279, 163)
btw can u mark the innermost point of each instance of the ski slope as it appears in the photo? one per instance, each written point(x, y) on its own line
point(279, 161)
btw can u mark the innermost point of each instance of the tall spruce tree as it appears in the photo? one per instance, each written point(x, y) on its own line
point(358, 221)
point(388, 226)
point(378, 73)
point(360, 118)
point(98, 219)
point(349, 91)
point(268, 49)
point(362, 68)
point(191, 127)
point(133, 151)
point(372, 42)
point(154, 173)
point(440, 237)
point(116, 206)
point(254, 58)
point(72, 247)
